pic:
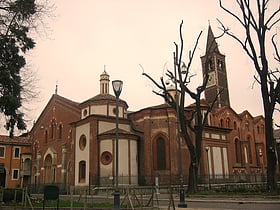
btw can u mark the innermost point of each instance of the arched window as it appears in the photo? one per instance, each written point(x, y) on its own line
point(220, 64)
point(245, 153)
point(27, 165)
point(209, 64)
point(60, 131)
point(53, 129)
point(161, 156)
point(247, 128)
point(46, 136)
point(234, 125)
point(249, 149)
point(222, 123)
point(82, 171)
point(237, 150)
point(262, 129)
point(228, 123)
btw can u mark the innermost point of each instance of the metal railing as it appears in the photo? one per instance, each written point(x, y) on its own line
point(204, 182)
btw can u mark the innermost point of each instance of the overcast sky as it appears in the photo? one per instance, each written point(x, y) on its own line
point(87, 35)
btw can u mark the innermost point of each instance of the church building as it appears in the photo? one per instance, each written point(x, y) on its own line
point(74, 144)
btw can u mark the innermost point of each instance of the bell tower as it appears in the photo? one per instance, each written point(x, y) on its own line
point(213, 63)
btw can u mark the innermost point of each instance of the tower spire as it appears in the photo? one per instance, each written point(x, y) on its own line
point(211, 44)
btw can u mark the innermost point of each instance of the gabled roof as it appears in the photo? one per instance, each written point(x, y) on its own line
point(218, 111)
point(258, 118)
point(244, 113)
point(57, 99)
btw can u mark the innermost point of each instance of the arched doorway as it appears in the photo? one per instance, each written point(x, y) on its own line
point(48, 169)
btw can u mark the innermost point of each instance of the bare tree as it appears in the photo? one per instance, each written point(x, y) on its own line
point(256, 24)
point(190, 131)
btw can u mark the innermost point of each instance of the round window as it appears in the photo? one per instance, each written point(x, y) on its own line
point(106, 158)
point(82, 142)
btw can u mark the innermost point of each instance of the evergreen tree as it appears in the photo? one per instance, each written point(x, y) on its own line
point(16, 18)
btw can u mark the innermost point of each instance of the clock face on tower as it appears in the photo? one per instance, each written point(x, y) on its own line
point(211, 79)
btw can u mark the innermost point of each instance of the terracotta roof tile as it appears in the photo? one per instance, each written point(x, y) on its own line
point(14, 140)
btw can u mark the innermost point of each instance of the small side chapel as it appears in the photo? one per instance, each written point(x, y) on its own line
point(95, 147)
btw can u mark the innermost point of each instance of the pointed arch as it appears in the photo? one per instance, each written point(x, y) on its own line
point(48, 169)
point(82, 171)
point(60, 127)
point(237, 147)
point(228, 123)
point(160, 153)
point(250, 146)
point(161, 156)
point(221, 122)
point(53, 129)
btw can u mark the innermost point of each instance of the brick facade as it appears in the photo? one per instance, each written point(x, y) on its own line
point(53, 149)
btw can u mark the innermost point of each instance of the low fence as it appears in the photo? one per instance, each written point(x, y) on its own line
point(15, 196)
point(204, 182)
point(176, 179)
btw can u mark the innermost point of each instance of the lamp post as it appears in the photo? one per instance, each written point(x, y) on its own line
point(208, 168)
point(117, 87)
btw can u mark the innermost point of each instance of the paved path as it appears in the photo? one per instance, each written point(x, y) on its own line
point(230, 201)
point(203, 202)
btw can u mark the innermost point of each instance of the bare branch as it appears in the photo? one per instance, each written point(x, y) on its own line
point(231, 13)
point(150, 78)
point(277, 56)
point(271, 19)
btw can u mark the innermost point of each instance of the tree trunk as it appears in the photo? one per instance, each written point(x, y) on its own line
point(270, 141)
point(271, 156)
point(193, 178)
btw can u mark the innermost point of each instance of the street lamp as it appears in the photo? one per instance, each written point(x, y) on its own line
point(117, 87)
point(208, 169)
